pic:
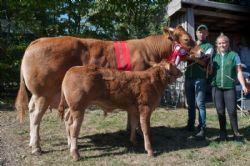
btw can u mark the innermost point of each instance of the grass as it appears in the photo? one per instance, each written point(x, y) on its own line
point(104, 141)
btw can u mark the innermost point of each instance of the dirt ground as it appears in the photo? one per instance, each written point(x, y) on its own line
point(14, 139)
point(7, 140)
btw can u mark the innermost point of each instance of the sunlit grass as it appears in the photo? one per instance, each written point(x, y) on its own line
point(104, 141)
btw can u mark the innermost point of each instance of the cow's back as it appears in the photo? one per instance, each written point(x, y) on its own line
point(46, 61)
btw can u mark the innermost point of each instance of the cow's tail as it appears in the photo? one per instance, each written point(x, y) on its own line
point(61, 106)
point(21, 102)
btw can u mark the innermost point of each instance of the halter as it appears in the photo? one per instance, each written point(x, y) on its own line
point(177, 51)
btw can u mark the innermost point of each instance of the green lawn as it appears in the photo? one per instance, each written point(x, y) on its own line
point(104, 141)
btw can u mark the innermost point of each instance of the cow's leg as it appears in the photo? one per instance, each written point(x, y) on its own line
point(77, 118)
point(31, 109)
point(36, 114)
point(67, 121)
point(145, 114)
point(134, 121)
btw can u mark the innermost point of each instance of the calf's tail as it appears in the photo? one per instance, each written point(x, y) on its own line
point(61, 106)
point(21, 103)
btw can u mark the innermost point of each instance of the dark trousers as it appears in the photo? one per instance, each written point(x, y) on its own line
point(226, 99)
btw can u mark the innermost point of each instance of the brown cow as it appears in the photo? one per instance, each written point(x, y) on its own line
point(46, 61)
point(137, 92)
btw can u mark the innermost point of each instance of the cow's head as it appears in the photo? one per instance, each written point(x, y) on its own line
point(180, 36)
point(184, 40)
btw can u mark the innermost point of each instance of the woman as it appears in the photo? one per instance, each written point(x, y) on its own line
point(226, 67)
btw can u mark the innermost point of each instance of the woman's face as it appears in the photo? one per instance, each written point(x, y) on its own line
point(222, 45)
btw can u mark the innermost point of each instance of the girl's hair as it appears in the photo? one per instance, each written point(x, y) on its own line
point(224, 37)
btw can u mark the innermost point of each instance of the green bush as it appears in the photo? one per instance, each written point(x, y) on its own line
point(10, 68)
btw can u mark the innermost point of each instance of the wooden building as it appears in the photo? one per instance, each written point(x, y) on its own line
point(231, 19)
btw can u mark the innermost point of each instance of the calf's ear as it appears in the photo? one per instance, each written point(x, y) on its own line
point(169, 66)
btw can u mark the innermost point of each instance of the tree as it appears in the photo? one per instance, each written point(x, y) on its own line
point(22, 21)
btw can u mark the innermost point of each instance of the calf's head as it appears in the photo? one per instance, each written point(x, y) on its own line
point(171, 69)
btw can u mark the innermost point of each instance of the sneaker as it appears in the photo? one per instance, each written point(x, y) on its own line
point(200, 135)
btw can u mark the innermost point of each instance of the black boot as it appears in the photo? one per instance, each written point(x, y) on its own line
point(234, 125)
point(201, 134)
point(237, 136)
point(223, 136)
point(190, 128)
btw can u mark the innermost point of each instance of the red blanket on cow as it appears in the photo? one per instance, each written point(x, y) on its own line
point(122, 53)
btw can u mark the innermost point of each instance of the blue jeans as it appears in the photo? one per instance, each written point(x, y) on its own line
point(195, 90)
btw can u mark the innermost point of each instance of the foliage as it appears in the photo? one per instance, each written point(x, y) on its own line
point(22, 21)
point(9, 68)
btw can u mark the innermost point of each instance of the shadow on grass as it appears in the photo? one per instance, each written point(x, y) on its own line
point(163, 140)
point(246, 132)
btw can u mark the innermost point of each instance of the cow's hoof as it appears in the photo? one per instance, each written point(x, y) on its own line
point(36, 151)
point(75, 155)
point(150, 153)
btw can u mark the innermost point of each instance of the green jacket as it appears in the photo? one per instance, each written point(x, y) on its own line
point(197, 71)
point(224, 70)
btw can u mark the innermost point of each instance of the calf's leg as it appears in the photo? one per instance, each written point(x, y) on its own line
point(74, 127)
point(134, 121)
point(145, 114)
point(67, 121)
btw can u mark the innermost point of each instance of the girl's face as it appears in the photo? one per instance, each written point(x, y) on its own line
point(222, 45)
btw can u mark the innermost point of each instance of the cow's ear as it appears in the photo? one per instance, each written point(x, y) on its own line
point(179, 27)
point(152, 64)
point(170, 32)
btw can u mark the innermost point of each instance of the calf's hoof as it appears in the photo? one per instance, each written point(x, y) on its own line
point(134, 142)
point(75, 155)
point(150, 153)
point(69, 145)
point(36, 151)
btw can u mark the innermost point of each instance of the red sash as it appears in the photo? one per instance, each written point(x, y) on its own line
point(177, 51)
point(122, 53)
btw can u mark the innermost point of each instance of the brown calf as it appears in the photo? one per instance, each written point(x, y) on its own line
point(137, 92)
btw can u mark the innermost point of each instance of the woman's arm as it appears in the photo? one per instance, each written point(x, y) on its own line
point(241, 79)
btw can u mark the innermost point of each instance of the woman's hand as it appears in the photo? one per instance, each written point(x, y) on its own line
point(245, 90)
